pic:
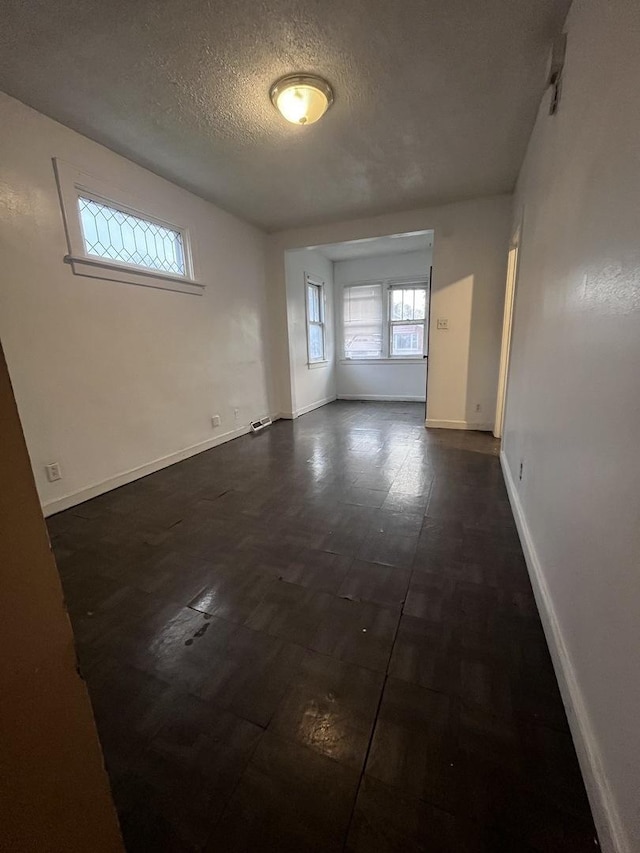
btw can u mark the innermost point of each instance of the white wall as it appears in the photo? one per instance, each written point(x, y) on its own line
point(390, 380)
point(315, 385)
point(469, 268)
point(573, 404)
point(111, 378)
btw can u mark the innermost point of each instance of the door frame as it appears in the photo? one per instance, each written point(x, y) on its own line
point(513, 267)
point(428, 334)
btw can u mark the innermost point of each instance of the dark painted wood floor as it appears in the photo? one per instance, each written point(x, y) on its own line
point(322, 638)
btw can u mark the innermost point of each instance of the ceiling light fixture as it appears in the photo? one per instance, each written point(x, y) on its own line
point(302, 99)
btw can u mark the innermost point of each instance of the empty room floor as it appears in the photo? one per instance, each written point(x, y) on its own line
point(322, 638)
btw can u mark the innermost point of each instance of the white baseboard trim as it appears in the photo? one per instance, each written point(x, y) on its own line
point(389, 398)
point(85, 494)
point(610, 832)
point(290, 416)
point(434, 423)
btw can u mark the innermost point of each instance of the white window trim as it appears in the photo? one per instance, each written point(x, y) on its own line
point(387, 285)
point(317, 282)
point(405, 359)
point(73, 183)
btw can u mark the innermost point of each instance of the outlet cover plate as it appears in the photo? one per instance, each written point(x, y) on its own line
point(53, 472)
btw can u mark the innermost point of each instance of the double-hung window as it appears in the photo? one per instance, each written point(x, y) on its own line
point(407, 317)
point(109, 238)
point(316, 338)
point(362, 319)
point(385, 320)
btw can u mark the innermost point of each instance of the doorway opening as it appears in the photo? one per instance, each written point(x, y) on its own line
point(366, 304)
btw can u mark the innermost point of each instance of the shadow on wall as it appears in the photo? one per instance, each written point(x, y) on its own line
point(486, 305)
point(451, 309)
point(466, 326)
point(485, 341)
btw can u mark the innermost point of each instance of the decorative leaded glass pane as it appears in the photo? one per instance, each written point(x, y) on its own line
point(118, 236)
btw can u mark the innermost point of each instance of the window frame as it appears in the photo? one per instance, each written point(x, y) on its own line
point(74, 184)
point(391, 322)
point(387, 285)
point(314, 281)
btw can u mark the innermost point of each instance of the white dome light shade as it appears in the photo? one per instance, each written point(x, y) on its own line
point(300, 99)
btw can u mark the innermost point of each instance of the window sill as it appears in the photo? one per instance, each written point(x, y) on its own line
point(396, 360)
point(98, 268)
point(313, 365)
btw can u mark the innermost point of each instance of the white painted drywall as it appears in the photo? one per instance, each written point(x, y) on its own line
point(393, 265)
point(469, 269)
point(314, 385)
point(573, 400)
point(109, 377)
point(393, 380)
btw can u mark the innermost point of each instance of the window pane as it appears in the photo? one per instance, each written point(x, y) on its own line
point(313, 296)
point(407, 305)
point(407, 339)
point(420, 311)
point(316, 343)
point(110, 233)
point(363, 321)
point(396, 304)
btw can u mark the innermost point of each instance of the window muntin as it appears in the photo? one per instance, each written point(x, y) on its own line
point(116, 235)
point(407, 316)
point(315, 321)
point(362, 319)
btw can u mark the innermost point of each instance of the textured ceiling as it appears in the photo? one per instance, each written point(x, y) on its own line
point(395, 244)
point(435, 99)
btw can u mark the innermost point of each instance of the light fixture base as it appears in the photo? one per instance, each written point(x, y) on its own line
point(301, 98)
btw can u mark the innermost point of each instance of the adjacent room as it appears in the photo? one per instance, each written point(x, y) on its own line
point(316, 533)
point(358, 312)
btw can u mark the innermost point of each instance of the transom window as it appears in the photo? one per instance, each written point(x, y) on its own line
point(112, 233)
point(316, 338)
point(385, 320)
point(109, 238)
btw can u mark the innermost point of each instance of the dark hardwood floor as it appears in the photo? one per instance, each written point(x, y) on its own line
point(322, 638)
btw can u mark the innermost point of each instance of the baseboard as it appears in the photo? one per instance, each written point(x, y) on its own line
point(482, 426)
point(610, 832)
point(388, 398)
point(85, 494)
point(290, 416)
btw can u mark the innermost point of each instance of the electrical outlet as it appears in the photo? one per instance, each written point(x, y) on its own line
point(521, 469)
point(54, 472)
point(215, 421)
point(477, 407)
point(442, 323)
point(236, 414)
